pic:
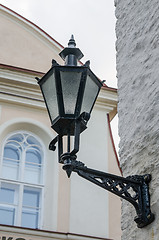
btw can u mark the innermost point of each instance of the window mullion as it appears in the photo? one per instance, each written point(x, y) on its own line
point(22, 165)
point(1, 162)
point(21, 187)
point(20, 205)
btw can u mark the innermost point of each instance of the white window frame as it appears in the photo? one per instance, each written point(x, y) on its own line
point(20, 184)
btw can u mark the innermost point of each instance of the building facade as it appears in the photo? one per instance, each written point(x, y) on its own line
point(37, 200)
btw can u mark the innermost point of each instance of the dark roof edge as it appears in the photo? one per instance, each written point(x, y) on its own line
point(19, 69)
point(109, 88)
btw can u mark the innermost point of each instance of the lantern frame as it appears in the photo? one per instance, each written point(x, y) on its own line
point(66, 122)
point(74, 124)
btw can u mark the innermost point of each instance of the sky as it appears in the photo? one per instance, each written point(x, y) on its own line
point(92, 22)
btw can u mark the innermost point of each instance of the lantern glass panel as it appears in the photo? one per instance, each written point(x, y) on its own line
point(49, 91)
point(90, 94)
point(70, 82)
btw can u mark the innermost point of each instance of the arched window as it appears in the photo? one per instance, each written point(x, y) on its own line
point(21, 180)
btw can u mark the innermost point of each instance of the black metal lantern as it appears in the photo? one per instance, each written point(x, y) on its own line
point(70, 92)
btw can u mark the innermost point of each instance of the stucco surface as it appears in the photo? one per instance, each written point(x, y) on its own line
point(22, 37)
point(137, 45)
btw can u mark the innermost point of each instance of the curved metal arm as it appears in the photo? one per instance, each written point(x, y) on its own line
point(134, 189)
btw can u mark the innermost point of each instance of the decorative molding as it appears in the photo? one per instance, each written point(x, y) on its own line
point(27, 234)
point(20, 87)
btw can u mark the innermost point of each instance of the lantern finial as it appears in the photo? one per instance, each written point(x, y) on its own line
point(71, 54)
point(72, 43)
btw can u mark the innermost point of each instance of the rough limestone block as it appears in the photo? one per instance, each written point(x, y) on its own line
point(137, 31)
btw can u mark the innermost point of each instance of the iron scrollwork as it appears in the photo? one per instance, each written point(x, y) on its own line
point(134, 189)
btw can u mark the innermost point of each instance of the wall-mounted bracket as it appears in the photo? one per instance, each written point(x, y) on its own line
point(134, 189)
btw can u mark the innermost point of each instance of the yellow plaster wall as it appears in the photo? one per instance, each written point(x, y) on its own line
point(24, 47)
point(114, 201)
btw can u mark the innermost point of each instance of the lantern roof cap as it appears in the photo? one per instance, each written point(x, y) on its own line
point(71, 50)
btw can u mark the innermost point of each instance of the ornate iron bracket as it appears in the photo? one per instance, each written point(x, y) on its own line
point(134, 189)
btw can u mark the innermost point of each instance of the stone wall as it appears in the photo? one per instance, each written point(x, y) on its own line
point(137, 45)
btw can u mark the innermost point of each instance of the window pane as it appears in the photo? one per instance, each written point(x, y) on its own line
point(17, 137)
point(33, 156)
point(31, 140)
point(7, 195)
point(29, 219)
point(10, 171)
point(33, 166)
point(30, 208)
point(11, 152)
point(31, 198)
point(7, 215)
point(32, 174)
point(11, 159)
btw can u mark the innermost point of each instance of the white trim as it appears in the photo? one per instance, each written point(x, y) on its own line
point(36, 234)
point(20, 77)
point(38, 124)
point(20, 204)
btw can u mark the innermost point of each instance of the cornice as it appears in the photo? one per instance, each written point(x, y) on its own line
point(45, 234)
point(20, 87)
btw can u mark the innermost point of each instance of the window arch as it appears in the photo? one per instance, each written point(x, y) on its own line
point(21, 180)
